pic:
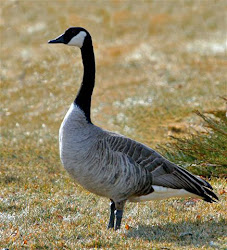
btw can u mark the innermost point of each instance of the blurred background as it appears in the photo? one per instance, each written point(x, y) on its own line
point(157, 62)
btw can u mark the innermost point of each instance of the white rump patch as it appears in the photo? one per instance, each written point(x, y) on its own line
point(78, 40)
point(163, 193)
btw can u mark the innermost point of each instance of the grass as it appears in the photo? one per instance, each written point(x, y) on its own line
point(204, 152)
point(157, 61)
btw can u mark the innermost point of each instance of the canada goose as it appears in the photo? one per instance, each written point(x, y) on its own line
point(110, 164)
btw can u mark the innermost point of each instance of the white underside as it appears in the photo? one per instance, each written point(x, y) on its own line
point(163, 193)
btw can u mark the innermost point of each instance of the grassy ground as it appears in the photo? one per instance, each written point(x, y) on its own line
point(203, 152)
point(157, 61)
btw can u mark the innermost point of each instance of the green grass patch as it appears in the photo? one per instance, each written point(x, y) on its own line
point(204, 153)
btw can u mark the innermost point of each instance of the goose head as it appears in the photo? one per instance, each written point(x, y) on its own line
point(74, 36)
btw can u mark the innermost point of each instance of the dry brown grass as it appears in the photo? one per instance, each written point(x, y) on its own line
point(156, 62)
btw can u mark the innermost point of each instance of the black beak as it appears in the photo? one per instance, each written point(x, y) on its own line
point(59, 39)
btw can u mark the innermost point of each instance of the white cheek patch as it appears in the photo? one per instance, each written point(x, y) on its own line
point(78, 40)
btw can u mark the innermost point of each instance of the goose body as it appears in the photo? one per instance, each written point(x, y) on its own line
point(110, 164)
point(84, 144)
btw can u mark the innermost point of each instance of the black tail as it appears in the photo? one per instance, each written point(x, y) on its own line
point(172, 176)
point(201, 187)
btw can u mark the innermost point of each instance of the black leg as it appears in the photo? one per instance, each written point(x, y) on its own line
point(112, 209)
point(118, 214)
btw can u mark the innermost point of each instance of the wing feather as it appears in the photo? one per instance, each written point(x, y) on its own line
point(163, 172)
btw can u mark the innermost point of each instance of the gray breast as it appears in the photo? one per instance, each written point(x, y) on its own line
point(88, 156)
point(76, 140)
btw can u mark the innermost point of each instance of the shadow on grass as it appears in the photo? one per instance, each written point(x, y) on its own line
point(182, 233)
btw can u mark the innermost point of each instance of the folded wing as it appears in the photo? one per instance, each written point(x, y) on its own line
point(163, 172)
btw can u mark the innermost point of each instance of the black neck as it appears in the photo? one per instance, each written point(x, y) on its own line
point(83, 99)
